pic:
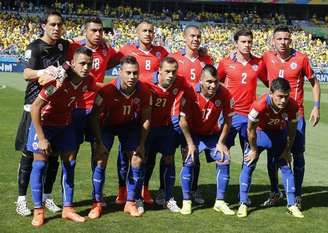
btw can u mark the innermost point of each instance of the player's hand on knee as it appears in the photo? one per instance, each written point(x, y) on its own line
point(287, 156)
point(250, 157)
point(44, 146)
point(191, 152)
point(223, 150)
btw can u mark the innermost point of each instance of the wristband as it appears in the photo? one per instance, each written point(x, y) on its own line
point(317, 104)
point(39, 73)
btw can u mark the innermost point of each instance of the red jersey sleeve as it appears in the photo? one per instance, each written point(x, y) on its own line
point(227, 102)
point(221, 71)
point(307, 69)
point(47, 91)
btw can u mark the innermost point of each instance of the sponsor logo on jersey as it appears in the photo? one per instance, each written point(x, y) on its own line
point(217, 103)
point(60, 47)
point(293, 65)
point(255, 67)
point(28, 54)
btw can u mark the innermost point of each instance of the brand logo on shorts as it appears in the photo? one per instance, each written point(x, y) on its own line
point(293, 65)
point(175, 91)
point(60, 47)
point(35, 145)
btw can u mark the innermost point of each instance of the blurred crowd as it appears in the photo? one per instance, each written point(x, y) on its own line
point(16, 32)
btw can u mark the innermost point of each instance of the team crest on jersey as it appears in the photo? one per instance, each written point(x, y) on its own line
point(28, 54)
point(35, 145)
point(50, 90)
point(104, 52)
point(158, 54)
point(255, 67)
point(253, 113)
point(284, 116)
point(175, 91)
point(136, 100)
point(60, 47)
point(85, 88)
point(293, 65)
point(217, 103)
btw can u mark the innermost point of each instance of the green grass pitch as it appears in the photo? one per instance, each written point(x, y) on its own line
point(156, 219)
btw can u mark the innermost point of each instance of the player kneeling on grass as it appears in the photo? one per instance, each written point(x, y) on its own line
point(199, 124)
point(52, 131)
point(272, 127)
point(125, 107)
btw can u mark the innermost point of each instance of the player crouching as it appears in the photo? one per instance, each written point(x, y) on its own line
point(199, 124)
point(52, 131)
point(269, 120)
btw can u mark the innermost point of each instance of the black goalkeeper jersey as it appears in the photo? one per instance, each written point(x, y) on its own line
point(39, 55)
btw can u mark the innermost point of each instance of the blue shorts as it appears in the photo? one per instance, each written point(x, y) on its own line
point(82, 126)
point(208, 145)
point(128, 135)
point(299, 143)
point(163, 140)
point(61, 138)
point(272, 141)
point(239, 125)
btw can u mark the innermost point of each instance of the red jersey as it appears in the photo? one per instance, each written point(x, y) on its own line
point(268, 118)
point(241, 80)
point(61, 101)
point(293, 69)
point(189, 69)
point(148, 60)
point(101, 57)
point(203, 114)
point(119, 108)
point(164, 100)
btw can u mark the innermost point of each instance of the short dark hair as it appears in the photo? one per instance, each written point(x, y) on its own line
point(210, 69)
point(281, 29)
point(280, 84)
point(242, 32)
point(93, 19)
point(129, 60)
point(190, 26)
point(83, 50)
point(46, 16)
point(169, 60)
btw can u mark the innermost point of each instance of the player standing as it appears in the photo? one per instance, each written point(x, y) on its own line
point(47, 51)
point(191, 63)
point(239, 72)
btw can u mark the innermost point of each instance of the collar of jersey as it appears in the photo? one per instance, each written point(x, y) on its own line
point(155, 78)
point(292, 53)
point(233, 56)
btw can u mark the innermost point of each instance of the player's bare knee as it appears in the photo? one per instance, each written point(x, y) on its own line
point(136, 161)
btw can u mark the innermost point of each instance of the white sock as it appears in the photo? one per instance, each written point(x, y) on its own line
point(21, 198)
